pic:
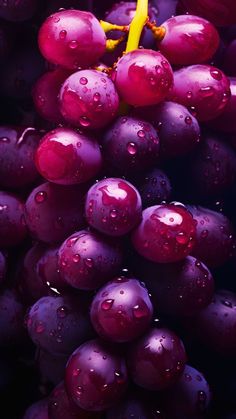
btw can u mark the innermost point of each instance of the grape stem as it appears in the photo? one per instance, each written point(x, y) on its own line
point(112, 44)
point(158, 31)
point(137, 25)
point(107, 26)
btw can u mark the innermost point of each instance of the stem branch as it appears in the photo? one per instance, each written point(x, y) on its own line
point(137, 24)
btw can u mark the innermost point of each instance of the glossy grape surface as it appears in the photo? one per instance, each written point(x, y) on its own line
point(226, 122)
point(154, 187)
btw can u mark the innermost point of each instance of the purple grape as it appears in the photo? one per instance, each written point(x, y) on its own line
point(136, 409)
point(96, 377)
point(59, 324)
point(61, 407)
point(12, 223)
point(87, 260)
point(143, 77)
point(166, 9)
point(188, 40)
point(3, 267)
point(203, 89)
point(45, 94)
point(213, 167)
point(113, 206)
point(51, 367)
point(215, 237)
point(47, 269)
point(226, 121)
point(53, 212)
point(177, 128)
point(38, 410)
point(121, 311)
point(214, 325)
point(218, 12)
point(156, 360)
point(154, 188)
point(89, 99)
point(63, 39)
point(129, 144)
point(18, 11)
point(11, 319)
point(165, 234)
point(189, 397)
point(17, 148)
point(68, 157)
point(229, 62)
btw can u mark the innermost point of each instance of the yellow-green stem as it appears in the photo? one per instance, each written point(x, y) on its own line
point(137, 24)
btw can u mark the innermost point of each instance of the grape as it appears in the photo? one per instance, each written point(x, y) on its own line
point(38, 410)
point(3, 267)
point(143, 77)
point(12, 223)
point(87, 260)
point(161, 365)
point(226, 121)
point(121, 311)
point(154, 188)
point(53, 212)
point(129, 144)
point(72, 39)
point(188, 40)
point(88, 99)
point(218, 12)
point(17, 148)
point(229, 63)
point(18, 11)
point(11, 318)
point(214, 325)
point(67, 157)
point(45, 94)
point(215, 237)
point(113, 206)
point(213, 167)
point(58, 324)
point(189, 397)
point(51, 367)
point(47, 269)
point(203, 89)
point(177, 128)
point(61, 407)
point(96, 377)
point(135, 409)
point(166, 233)
point(178, 289)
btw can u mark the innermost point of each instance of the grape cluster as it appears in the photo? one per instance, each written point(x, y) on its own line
point(117, 209)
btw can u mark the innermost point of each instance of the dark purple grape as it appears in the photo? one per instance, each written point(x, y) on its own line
point(87, 260)
point(213, 167)
point(166, 9)
point(143, 77)
point(45, 94)
point(188, 40)
point(59, 324)
point(51, 367)
point(165, 234)
point(11, 319)
point(134, 408)
point(3, 267)
point(38, 410)
point(203, 89)
point(12, 223)
point(68, 157)
point(214, 326)
point(177, 128)
point(96, 377)
point(154, 188)
point(63, 39)
point(178, 289)
point(53, 212)
point(17, 148)
point(215, 238)
point(189, 397)
point(18, 11)
point(61, 407)
point(218, 12)
point(226, 121)
point(113, 206)
point(47, 269)
point(156, 360)
point(121, 311)
point(130, 144)
point(229, 62)
point(89, 99)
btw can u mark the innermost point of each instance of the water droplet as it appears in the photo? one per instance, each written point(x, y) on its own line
point(84, 121)
point(96, 97)
point(119, 377)
point(227, 303)
point(216, 74)
point(141, 133)
point(140, 311)
point(39, 328)
point(187, 377)
point(76, 372)
point(189, 94)
point(132, 148)
point(62, 312)
point(89, 262)
point(181, 238)
point(79, 390)
point(204, 234)
point(62, 34)
point(107, 305)
point(73, 44)
point(40, 197)
point(83, 80)
point(4, 140)
point(113, 213)
point(188, 120)
point(206, 91)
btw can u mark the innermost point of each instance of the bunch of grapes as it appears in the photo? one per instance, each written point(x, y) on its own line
point(117, 209)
